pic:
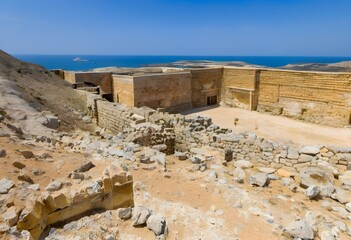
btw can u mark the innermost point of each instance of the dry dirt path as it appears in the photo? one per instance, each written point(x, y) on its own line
point(275, 128)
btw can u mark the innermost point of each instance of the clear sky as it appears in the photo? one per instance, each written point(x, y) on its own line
point(177, 27)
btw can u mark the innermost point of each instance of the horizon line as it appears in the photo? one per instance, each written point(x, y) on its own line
point(170, 55)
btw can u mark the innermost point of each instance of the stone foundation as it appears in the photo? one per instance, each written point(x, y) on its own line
point(114, 190)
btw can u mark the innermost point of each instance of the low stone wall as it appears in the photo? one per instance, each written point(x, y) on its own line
point(114, 190)
point(148, 127)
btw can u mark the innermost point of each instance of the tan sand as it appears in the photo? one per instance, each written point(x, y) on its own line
point(275, 128)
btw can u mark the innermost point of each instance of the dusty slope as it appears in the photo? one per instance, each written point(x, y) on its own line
point(41, 89)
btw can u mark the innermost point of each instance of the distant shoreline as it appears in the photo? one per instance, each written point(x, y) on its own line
point(334, 64)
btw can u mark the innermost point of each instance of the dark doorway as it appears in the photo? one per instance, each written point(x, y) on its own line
point(211, 100)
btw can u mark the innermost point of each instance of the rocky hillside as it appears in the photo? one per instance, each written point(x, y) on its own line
point(38, 87)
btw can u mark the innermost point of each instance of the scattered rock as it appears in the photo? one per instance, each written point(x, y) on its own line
point(310, 150)
point(85, 167)
point(342, 212)
point(312, 192)
point(259, 179)
point(348, 206)
point(267, 170)
point(5, 185)
point(11, 216)
point(54, 186)
point(345, 178)
point(343, 196)
point(285, 173)
point(38, 171)
point(243, 164)
point(86, 119)
point(125, 213)
point(24, 177)
point(27, 154)
point(18, 165)
point(34, 187)
point(239, 175)
point(157, 224)
point(300, 229)
point(2, 153)
point(4, 227)
point(318, 177)
point(292, 153)
point(140, 215)
point(52, 122)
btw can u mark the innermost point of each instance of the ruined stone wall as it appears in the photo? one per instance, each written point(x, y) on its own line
point(69, 76)
point(123, 89)
point(115, 117)
point(171, 91)
point(239, 88)
point(323, 98)
point(113, 191)
point(205, 83)
point(101, 79)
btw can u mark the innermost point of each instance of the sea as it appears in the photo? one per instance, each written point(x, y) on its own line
point(87, 62)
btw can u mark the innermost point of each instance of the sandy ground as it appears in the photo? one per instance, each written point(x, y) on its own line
point(275, 128)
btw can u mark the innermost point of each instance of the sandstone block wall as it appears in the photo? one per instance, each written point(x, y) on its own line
point(239, 88)
point(115, 117)
point(123, 89)
point(205, 83)
point(171, 91)
point(323, 98)
point(101, 79)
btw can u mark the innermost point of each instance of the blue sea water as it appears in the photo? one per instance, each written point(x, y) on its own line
point(97, 61)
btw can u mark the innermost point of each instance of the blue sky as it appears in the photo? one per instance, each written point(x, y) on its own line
point(177, 27)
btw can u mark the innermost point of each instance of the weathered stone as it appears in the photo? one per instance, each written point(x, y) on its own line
point(310, 150)
point(342, 212)
point(316, 176)
point(18, 165)
point(304, 158)
point(267, 170)
point(300, 229)
point(2, 153)
point(52, 122)
point(24, 177)
point(312, 191)
point(5, 185)
point(348, 206)
point(54, 186)
point(125, 213)
point(34, 187)
point(228, 155)
point(345, 178)
point(93, 188)
point(243, 164)
point(259, 179)
point(27, 154)
point(140, 215)
point(342, 195)
point(86, 119)
point(4, 227)
point(292, 153)
point(181, 156)
point(239, 175)
point(11, 216)
point(85, 167)
point(38, 171)
point(77, 175)
point(157, 224)
point(285, 173)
